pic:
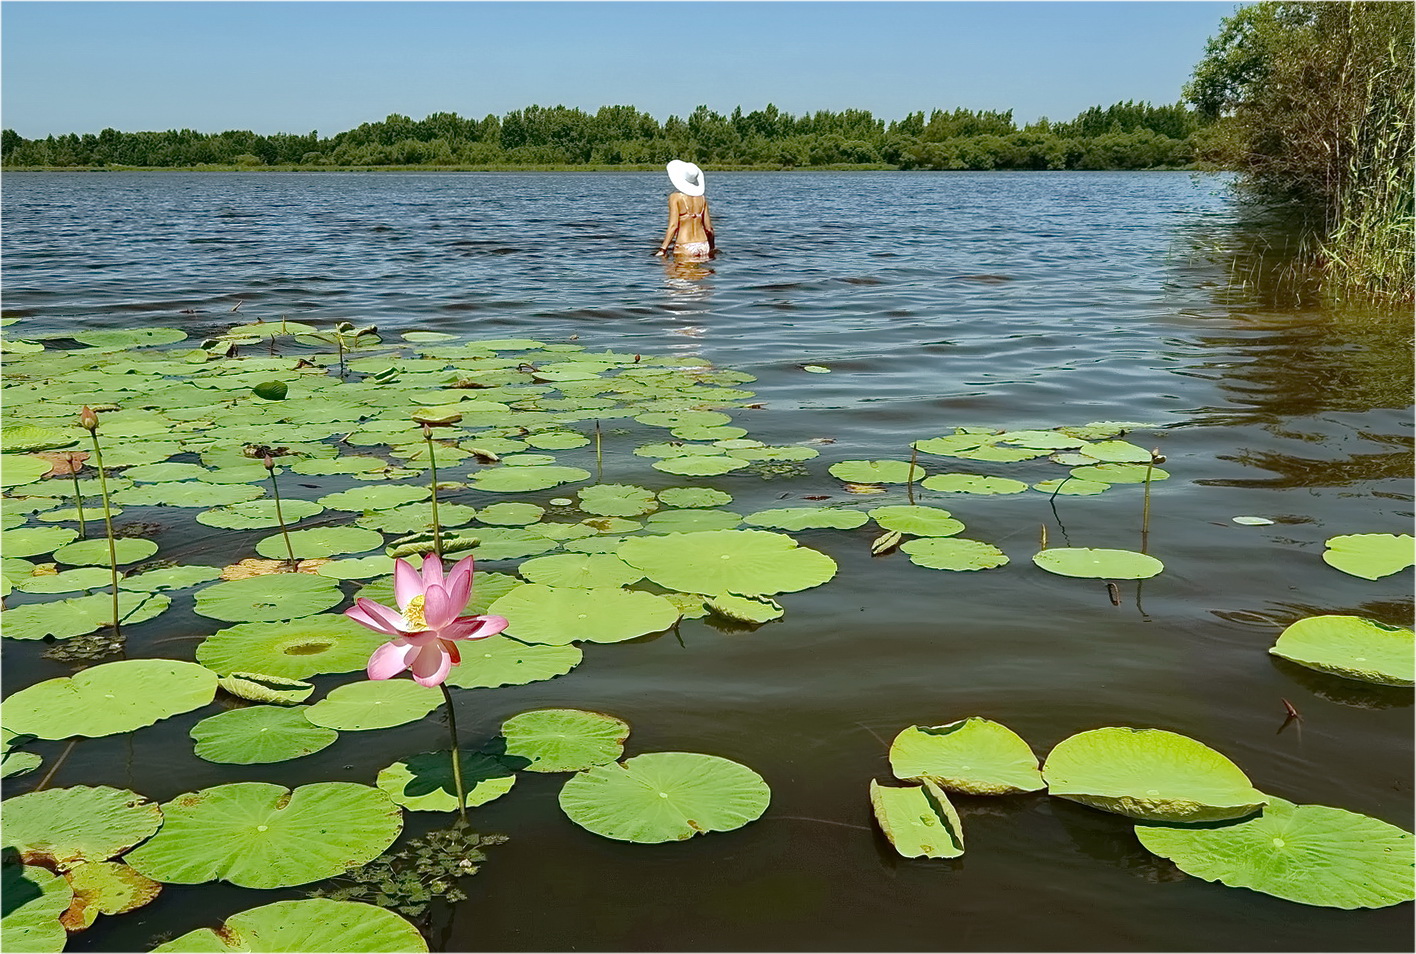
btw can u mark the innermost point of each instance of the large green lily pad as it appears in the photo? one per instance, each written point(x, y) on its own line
point(294, 650)
point(374, 704)
point(259, 513)
point(63, 827)
point(700, 465)
point(564, 740)
point(744, 562)
point(919, 820)
point(525, 479)
point(876, 471)
point(973, 484)
point(1095, 563)
point(34, 541)
point(81, 614)
point(954, 553)
point(319, 542)
point(617, 500)
point(694, 497)
point(90, 552)
point(1120, 473)
point(500, 661)
point(1311, 854)
point(920, 521)
point(109, 699)
point(557, 615)
point(664, 796)
point(1353, 647)
point(259, 734)
point(580, 570)
point(808, 518)
point(1368, 555)
point(34, 901)
point(1149, 774)
point(280, 596)
point(424, 783)
point(976, 756)
point(260, 835)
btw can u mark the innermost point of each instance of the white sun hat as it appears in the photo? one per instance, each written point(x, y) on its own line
point(686, 177)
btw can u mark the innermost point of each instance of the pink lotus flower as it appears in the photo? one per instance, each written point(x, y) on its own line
point(425, 627)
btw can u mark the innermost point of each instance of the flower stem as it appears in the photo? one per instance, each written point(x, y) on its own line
point(279, 516)
point(433, 466)
point(599, 456)
point(79, 503)
point(107, 526)
point(456, 756)
point(1146, 509)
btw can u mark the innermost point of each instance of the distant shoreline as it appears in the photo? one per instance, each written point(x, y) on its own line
point(648, 167)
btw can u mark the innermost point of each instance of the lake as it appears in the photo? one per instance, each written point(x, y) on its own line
point(936, 300)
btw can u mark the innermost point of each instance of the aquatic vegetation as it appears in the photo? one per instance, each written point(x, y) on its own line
point(919, 820)
point(1370, 555)
point(1098, 563)
point(1352, 647)
point(564, 740)
point(976, 756)
point(313, 924)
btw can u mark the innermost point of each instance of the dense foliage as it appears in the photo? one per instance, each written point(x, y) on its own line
point(1124, 136)
point(1314, 104)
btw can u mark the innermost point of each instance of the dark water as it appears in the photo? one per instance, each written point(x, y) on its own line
point(1007, 300)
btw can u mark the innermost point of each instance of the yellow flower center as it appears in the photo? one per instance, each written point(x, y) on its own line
point(413, 616)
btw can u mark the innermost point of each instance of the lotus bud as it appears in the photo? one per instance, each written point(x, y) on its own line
point(88, 419)
point(268, 461)
point(1156, 456)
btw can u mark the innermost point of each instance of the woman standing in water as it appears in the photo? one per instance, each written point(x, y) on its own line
point(690, 227)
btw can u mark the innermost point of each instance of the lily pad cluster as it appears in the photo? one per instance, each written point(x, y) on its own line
point(1190, 804)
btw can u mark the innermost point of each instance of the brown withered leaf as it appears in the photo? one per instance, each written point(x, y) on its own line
point(105, 887)
point(63, 463)
point(45, 569)
point(253, 567)
point(864, 489)
point(885, 543)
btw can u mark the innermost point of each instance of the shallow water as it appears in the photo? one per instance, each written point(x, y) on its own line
point(937, 300)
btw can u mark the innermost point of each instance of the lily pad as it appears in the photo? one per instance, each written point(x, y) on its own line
point(919, 820)
point(1311, 854)
point(694, 497)
point(118, 340)
point(1352, 647)
point(20, 469)
point(973, 484)
point(169, 578)
point(62, 827)
point(1368, 555)
point(700, 465)
point(319, 542)
point(190, 493)
point(259, 513)
point(525, 479)
point(109, 699)
point(1117, 452)
point(296, 649)
point(34, 901)
point(976, 756)
point(424, 783)
point(362, 499)
point(617, 500)
point(876, 471)
point(664, 796)
point(1252, 521)
point(744, 562)
point(564, 740)
point(35, 541)
point(105, 887)
point(1071, 487)
point(1094, 563)
point(81, 614)
point(266, 598)
point(1120, 473)
point(744, 609)
point(807, 518)
point(954, 553)
point(557, 615)
point(259, 687)
point(260, 835)
point(500, 661)
point(690, 521)
point(259, 734)
point(580, 570)
point(90, 552)
point(1150, 774)
point(374, 704)
point(510, 514)
point(920, 521)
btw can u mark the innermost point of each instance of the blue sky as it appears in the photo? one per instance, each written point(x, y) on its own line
point(294, 67)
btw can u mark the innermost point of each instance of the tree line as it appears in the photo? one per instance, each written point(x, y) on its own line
point(1127, 135)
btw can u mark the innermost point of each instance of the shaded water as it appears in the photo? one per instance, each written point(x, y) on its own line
point(938, 300)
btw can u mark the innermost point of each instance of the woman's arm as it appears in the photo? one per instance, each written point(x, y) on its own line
point(708, 226)
point(673, 225)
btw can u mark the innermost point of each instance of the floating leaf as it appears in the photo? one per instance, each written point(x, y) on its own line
point(64, 826)
point(564, 740)
point(1353, 647)
point(35, 541)
point(806, 518)
point(920, 521)
point(525, 479)
point(699, 465)
point(972, 484)
point(319, 542)
point(362, 499)
point(109, 699)
point(271, 390)
point(690, 521)
point(617, 500)
point(816, 369)
point(258, 513)
point(559, 440)
point(950, 444)
point(19, 470)
point(1149, 774)
point(1071, 487)
point(1098, 564)
point(374, 704)
point(920, 821)
point(291, 650)
point(557, 615)
point(1311, 854)
point(994, 454)
point(105, 887)
point(1117, 452)
point(954, 553)
point(1368, 555)
point(500, 661)
point(1252, 521)
point(259, 687)
point(424, 783)
point(192, 493)
point(34, 901)
point(67, 581)
point(260, 835)
point(510, 514)
point(887, 542)
point(267, 598)
point(694, 497)
point(118, 340)
point(252, 567)
point(744, 609)
point(664, 796)
point(1120, 473)
point(81, 614)
point(745, 562)
point(976, 756)
point(30, 437)
point(88, 552)
point(259, 734)
point(169, 578)
point(580, 570)
point(1043, 440)
point(876, 471)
